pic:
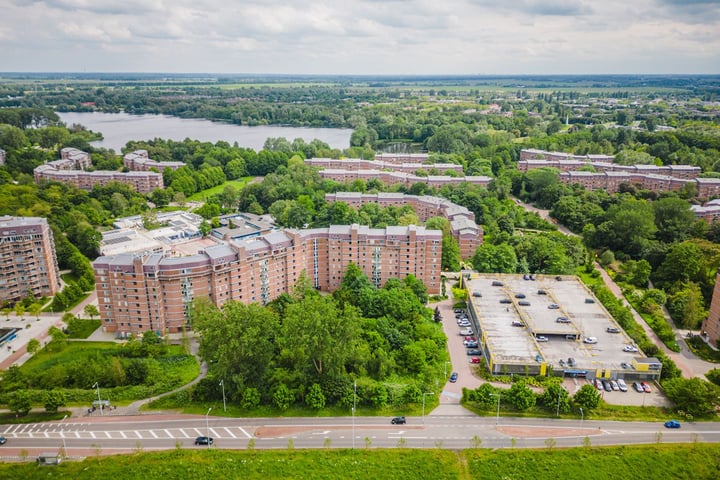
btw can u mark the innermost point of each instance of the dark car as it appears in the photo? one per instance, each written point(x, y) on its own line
point(505, 300)
point(524, 303)
point(518, 324)
point(542, 292)
point(474, 351)
point(204, 441)
point(672, 424)
point(497, 283)
point(607, 386)
point(519, 295)
point(398, 421)
point(612, 330)
point(453, 377)
point(3, 440)
point(477, 294)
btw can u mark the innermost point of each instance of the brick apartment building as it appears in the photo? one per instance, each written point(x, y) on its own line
point(398, 158)
point(142, 182)
point(711, 325)
point(360, 164)
point(399, 178)
point(466, 232)
point(28, 263)
point(140, 162)
point(154, 292)
point(532, 154)
point(611, 181)
point(78, 159)
point(677, 171)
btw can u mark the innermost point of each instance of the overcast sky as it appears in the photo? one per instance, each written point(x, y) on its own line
point(361, 36)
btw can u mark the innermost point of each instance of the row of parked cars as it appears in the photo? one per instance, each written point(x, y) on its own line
point(619, 384)
point(469, 339)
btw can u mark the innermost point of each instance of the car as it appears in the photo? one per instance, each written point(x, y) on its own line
point(630, 348)
point(477, 294)
point(625, 365)
point(562, 320)
point(622, 385)
point(464, 323)
point(553, 306)
point(471, 338)
point(518, 324)
point(571, 361)
point(589, 300)
point(606, 385)
point(638, 388)
point(672, 424)
point(458, 310)
point(590, 340)
point(497, 283)
point(453, 377)
point(519, 295)
point(614, 385)
point(471, 344)
point(646, 387)
point(524, 303)
point(505, 300)
point(475, 360)
point(612, 330)
point(204, 441)
point(598, 384)
point(3, 440)
point(541, 292)
point(398, 421)
point(467, 332)
point(541, 338)
point(474, 351)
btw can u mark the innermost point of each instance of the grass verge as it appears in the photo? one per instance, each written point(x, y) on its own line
point(205, 194)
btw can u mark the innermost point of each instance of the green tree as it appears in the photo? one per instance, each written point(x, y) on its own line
point(250, 398)
point(555, 395)
point(315, 398)
point(491, 258)
point(673, 219)
point(587, 397)
point(91, 311)
point(283, 397)
point(33, 346)
point(54, 399)
point(692, 395)
point(521, 396)
point(20, 402)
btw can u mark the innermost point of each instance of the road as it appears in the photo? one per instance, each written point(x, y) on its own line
point(131, 434)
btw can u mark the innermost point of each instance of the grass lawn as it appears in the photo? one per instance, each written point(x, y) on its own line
point(83, 328)
point(702, 349)
point(662, 461)
point(205, 194)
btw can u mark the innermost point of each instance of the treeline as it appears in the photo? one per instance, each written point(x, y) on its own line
point(309, 349)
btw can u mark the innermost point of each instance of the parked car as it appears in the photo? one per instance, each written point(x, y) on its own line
point(553, 306)
point(458, 310)
point(542, 292)
point(571, 361)
point(625, 365)
point(607, 386)
point(475, 360)
point(519, 295)
point(3, 440)
point(638, 388)
point(474, 351)
point(471, 344)
point(517, 324)
point(622, 385)
point(497, 283)
point(541, 338)
point(466, 332)
point(646, 387)
point(589, 300)
point(614, 385)
point(477, 294)
point(562, 320)
point(505, 300)
point(464, 323)
point(590, 340)
point(524, 303)
point(598, 384)
point(612, 330)
point(672, 424)
point(453, 377)
point(630, 348)
point(398, 421)
point(204, 441)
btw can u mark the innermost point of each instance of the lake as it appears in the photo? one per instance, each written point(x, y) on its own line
point(119, 128)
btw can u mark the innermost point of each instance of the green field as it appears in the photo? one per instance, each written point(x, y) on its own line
point(657, 462)
point(205, 194)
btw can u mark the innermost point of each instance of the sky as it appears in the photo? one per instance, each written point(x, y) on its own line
point(372, 37)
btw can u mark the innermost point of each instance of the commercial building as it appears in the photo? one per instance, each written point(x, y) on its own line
point(711, 325)
point(140, 162)
point(153, 292)
point(28, 264)
point(466, 232)
point(130, 235)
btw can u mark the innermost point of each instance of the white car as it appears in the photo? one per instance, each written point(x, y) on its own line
point(622, 385)
point(614, 385)
point(590, 340)
point(630, 348)
point(541, 338)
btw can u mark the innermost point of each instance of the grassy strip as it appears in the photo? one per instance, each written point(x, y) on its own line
point(83, 328)
point(696, 461)
point(659, 325)
point(205, 194)
point(698, 346)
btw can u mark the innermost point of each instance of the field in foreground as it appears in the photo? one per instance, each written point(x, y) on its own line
point(696, 461)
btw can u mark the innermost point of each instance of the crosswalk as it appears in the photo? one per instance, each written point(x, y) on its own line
point(80, 431)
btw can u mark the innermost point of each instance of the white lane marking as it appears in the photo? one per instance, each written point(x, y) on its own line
point(214, 433)
point(244, 432)
point(137, 432)
point(183, 432)
point(108, 434)
point(168, 433)
point(229, 432)
point(198, 432)
point(92, 434)
point(153, 433)
point(123, 434)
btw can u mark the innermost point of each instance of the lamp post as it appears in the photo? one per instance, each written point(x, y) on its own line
point(222, 384)
point(558, 402)
point(98, 392)
point(582, 417)
point(497, 417)
point(63, 438)
point(353, 413)
point(207, 425)
point(446, 364)
point(423, 405)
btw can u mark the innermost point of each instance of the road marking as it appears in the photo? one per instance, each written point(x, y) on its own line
point(108, 434)
point(417, 438)
point(231, 434)
point(123, 434)
point(244, 432)
point(168, 433)
point(77, 434)
point(92, 434)
point(153, 433)
point(138, 433)
point(214, 433)
point(198, 431)
point(183, 432)
point(46, 435)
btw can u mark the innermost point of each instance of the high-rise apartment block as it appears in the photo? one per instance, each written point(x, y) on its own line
point(711, 325)
point(28, 264)
point(154, 292)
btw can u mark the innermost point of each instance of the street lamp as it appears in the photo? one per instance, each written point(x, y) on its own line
point(423, 405)
point(222, 384)
point(353, 413)
point(558, 402)
point(446, 364)
point(63, 438)
point(97, 385)
point(582, 416)
point(207, 425)
point(497, 417)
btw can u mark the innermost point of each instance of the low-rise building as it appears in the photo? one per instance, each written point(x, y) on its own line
point(710, 212)
point(142, 182)
point(140, 162)
point(360, 164)
point(3, 156)
point(400, 178)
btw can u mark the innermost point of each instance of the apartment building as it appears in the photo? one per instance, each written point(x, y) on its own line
point(398, 158)
point(142, 182)
point(78, 159)
point(531, 154)
point(677, 171)
point(710, 329)
point(611, 181)
point(154, 292)
point(3, 156)
point(140, 162)
point(466, 232)
point(399, 178)
point(710, 212)
point(360, 164)
point(28, 263)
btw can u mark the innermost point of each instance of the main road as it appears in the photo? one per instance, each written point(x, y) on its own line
point(164, 432)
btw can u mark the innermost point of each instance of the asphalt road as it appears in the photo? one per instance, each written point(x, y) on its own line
point(131, 434)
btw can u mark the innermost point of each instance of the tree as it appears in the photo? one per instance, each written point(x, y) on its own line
point(692, 395)
point(673, 219)
point(33, 346)
point(491, 258)
point(555, 395)
point(91, 311)
point(315, 398)
point(587, 397)
point(35, 310)
point(20, 402)
point(521, 397)
point(283, 397)
point(53, 400)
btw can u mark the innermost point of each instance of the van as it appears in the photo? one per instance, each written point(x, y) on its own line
point(496, 283)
